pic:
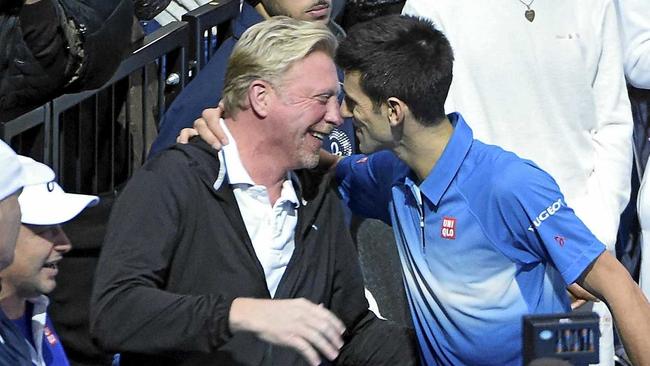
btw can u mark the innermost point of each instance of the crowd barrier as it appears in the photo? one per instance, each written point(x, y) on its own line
point(95, 140)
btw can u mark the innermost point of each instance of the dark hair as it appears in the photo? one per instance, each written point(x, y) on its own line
point(404, 57)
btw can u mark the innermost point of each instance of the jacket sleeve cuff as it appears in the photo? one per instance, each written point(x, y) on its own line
point(220, 326)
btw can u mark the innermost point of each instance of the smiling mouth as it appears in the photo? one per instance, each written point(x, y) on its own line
point(51, 265)
point(319, 134)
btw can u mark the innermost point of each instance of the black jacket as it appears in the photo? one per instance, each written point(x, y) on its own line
point(177, 253)
point(58, 46)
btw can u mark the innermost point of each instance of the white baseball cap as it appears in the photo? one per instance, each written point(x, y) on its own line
point(15, 174)
point(47, 203)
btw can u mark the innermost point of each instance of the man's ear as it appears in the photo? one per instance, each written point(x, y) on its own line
point(259, 92)
point(396, 111)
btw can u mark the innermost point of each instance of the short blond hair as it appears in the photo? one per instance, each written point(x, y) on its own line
point(267, 50)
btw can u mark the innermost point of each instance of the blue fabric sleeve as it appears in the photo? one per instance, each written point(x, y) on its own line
point(365, 183)
point(540, 225)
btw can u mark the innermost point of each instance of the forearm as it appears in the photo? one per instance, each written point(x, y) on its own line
point(611, 177)
point(612, 138)
point(634, 24)
point(137, 303)
point(633, 323)
point(147, 320)
point(39, 23)
point(609, 280)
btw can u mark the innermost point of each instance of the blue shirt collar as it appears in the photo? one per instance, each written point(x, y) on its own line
point(443, 173)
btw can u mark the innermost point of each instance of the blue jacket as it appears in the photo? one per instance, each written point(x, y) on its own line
point(205, 92)
point(13, 349)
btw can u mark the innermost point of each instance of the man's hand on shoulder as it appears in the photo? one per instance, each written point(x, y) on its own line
point(297, 323)
point(208, 128)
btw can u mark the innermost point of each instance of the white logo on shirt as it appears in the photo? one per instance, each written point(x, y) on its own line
point(548, 212)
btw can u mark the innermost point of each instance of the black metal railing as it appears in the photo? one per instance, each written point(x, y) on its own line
point(209, 26)
point(96, 139)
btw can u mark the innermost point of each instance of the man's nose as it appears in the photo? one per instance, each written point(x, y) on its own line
point(333, 114)
point(61, 242)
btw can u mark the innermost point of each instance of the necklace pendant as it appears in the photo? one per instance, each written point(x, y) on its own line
point(530, 15)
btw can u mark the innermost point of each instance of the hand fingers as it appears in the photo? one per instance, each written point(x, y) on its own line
point(209, 128)
point(317, 339)
point(306, 350)
point(579, 292)
point(577, 303)
point(215, 126)
point(323, 330)
point(330, 318)
point(185, 135)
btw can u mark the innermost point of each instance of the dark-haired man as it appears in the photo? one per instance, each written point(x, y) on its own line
point(484, 236)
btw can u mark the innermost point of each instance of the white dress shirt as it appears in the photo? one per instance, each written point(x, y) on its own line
point(271, 228)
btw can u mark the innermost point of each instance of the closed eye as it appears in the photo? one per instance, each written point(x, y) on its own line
point(322, 98)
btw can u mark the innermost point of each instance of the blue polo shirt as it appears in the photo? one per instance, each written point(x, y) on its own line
point(485, 239)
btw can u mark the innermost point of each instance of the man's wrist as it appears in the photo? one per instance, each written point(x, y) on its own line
point(240, 315)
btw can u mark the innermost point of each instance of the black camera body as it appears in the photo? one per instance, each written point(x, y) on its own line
point(571, 337)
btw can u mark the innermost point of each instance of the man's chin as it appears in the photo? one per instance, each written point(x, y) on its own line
point(323, 20)
point(45, 287)
point(311, 164)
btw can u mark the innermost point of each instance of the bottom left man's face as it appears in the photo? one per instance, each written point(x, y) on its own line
point(38, 252)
